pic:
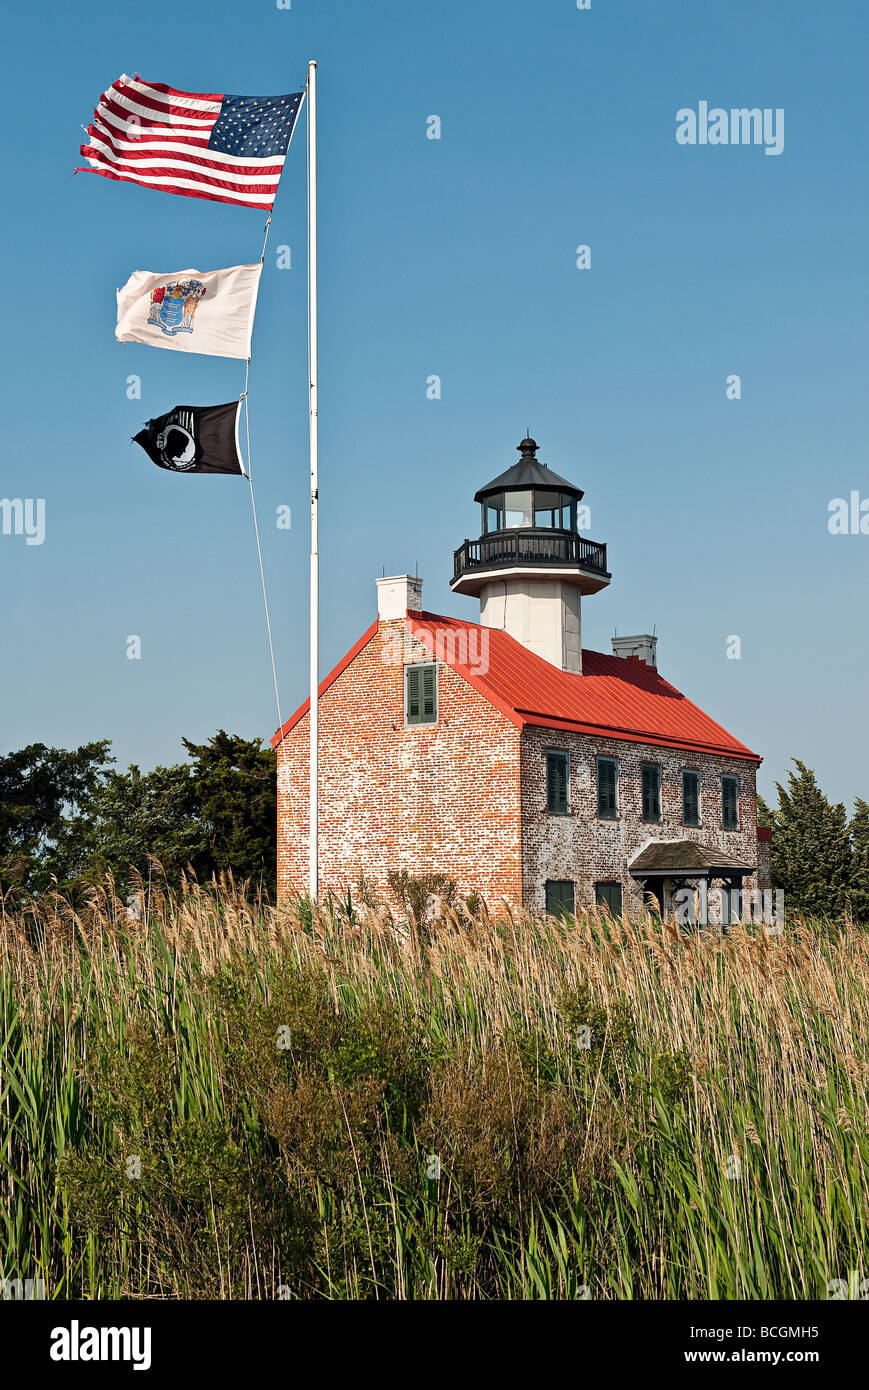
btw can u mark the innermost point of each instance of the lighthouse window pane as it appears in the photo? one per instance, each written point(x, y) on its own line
point(547, 508)
point(517, 506)
point(494, 514)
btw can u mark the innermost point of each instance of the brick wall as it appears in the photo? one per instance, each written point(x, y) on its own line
point(442, 797)
point(447, 796)
point(586, 850)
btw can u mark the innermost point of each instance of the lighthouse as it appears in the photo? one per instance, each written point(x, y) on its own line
point(500, 753)
point(530, 566)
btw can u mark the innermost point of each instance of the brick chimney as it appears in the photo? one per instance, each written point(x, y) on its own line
point(396, 594)
point(643, 646)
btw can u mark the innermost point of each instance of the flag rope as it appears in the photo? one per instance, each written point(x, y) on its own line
point(253, 507)
point(259, 547)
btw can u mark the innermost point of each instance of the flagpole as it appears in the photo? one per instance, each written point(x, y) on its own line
point(313, 716)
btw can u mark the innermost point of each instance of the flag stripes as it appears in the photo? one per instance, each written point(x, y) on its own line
point(225, 148)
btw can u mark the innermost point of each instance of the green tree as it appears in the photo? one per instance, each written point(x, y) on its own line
point(135, 815)
point(236, 789)
point(41, 789)
point(69, 816)
point(811, 849)
point(860, 863)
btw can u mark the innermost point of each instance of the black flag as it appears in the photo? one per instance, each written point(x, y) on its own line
point(195, 439)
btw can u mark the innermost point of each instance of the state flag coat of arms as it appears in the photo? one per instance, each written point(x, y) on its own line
point(210, 311)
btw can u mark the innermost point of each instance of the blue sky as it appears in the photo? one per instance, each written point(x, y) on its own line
point(454, 257)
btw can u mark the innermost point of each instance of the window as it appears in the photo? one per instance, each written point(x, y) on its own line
point(730, 803)
point(541, 507)
point(551, 509)
point(421, 694)
point(557, 781)
point(609, 895)
point(651, 791)
point(559, 897)
point(690, 798)
point(607, 779)
point(517, 507)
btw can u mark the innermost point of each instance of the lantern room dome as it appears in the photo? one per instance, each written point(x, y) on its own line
point(527, 474)
point(530, 532)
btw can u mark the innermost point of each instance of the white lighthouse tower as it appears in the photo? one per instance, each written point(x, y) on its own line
point(530, 566)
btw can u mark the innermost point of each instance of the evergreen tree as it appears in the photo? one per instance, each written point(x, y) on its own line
point(236, 789)
point(40, 788)
point(860, 863)
point(135, 815)
point(68, 817)
point(811, 850)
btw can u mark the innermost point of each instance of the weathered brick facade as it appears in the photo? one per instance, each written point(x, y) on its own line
point(429, 797)
point(467, 794)
point(585, 849)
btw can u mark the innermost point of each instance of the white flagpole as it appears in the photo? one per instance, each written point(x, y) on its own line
point(313, 813)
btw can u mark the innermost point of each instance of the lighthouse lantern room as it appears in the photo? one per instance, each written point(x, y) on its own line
point(530, 566)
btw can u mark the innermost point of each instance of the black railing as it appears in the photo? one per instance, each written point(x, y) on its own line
point(530, 547)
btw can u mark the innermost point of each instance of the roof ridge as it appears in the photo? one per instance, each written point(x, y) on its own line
point(630, 703)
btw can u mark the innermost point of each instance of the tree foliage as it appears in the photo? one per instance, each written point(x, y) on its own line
point(235, 784)
point(812, 857)
point(138, 817)
point(41, 789)
point(860, 861)
point(68, 816)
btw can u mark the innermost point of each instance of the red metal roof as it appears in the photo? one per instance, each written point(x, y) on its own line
point(325, 683)
point(615, 697)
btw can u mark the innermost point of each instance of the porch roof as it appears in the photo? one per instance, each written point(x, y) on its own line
point(686, 859)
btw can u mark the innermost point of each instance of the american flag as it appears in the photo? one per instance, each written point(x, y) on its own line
point(227, 148)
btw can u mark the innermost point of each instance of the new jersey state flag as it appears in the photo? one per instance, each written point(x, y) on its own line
point(209, 311)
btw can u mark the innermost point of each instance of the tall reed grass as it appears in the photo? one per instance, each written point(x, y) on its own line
point(233, 1100)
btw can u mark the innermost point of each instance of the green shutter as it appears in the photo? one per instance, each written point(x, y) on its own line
point(559, 897)
point(421, 697)
point(651, 792)
point(730, 803)
point(609, 895)
point(429, 711)
point(690, 798)
point(413, 695)
point(557, 800)
point(607, 808)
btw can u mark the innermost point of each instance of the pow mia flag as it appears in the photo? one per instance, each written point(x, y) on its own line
point(195, 439)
